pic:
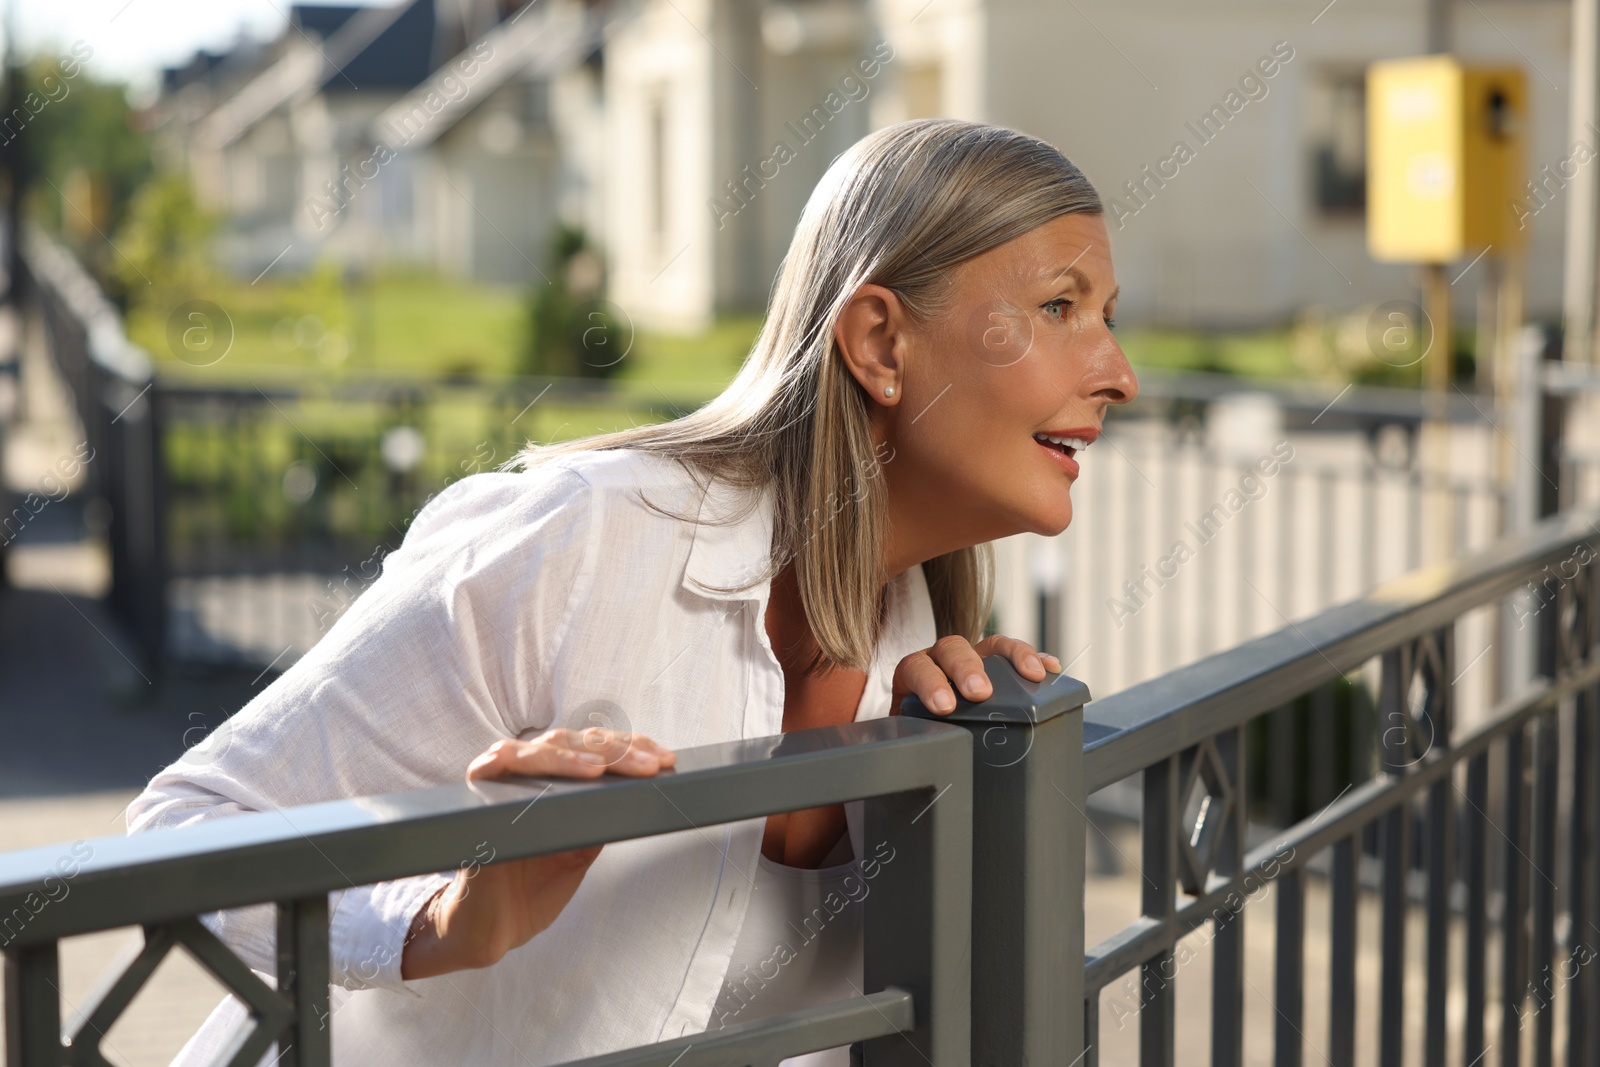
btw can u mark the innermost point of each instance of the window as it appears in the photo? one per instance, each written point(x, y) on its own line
point(1337, 123)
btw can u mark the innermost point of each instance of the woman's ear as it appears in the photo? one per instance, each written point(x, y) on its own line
point(871, 335)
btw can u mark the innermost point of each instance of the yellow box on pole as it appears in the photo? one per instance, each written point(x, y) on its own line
point(1444, 158)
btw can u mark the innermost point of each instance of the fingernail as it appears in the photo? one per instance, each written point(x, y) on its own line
point(1034, 663)
point(638, 756)
point(943, 700)
point(592, 757)
point(973, 683)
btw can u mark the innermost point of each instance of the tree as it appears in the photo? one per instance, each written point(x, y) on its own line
point(164, 240)
point(572, 333)
point(85, 155)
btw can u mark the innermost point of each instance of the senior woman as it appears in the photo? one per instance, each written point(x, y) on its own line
point(803, 551)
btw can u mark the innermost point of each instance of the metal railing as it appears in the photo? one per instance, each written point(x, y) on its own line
point(915, 778)
point(246, 517)
point(1484, 838)
point(113, 388)
point(1434, 806)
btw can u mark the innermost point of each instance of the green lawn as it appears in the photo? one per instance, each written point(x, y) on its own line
point(1263, 354)
point(409, 325)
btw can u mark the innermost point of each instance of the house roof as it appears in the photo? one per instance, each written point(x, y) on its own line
point(540, 44)
point(382, 48)
point(361, 43)
point(321, 19)
point(392, 48)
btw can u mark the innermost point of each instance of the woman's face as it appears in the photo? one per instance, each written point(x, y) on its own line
point(1022, 351)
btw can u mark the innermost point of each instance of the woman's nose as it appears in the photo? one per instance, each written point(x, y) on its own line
point(1116, 383)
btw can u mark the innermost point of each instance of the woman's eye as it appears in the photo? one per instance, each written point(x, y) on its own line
point(1061, 307)
point(1111, 323)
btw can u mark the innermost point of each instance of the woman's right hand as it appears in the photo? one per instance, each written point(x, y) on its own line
point(489, 910)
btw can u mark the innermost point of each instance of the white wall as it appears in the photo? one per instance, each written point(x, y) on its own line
point(1113, 84)
point(656, 50)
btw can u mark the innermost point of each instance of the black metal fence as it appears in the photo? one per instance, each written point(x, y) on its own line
point(243, 518)
point(114, 389)
point(975, 952)
point(1487, 846)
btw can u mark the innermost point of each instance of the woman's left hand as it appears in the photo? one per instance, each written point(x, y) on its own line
point(929, 673)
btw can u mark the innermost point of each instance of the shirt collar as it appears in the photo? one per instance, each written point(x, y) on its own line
point(735, 554)
point(729, 550)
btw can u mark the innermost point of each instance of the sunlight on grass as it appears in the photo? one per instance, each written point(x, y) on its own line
point(1260, 354)
point(320, 328)
point(397, 323)
point(708, 361)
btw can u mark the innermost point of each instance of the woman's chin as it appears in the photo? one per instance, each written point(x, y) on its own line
point(1055, 520)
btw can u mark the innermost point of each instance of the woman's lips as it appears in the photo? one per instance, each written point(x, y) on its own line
point(1059, 458)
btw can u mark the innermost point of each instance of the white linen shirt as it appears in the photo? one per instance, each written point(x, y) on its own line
point(518, 602)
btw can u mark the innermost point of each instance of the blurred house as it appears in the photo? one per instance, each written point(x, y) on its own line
point(420, 133)
point(1258, 215)
point(1226, 139)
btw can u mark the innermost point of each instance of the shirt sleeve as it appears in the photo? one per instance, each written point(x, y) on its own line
point(446, 652)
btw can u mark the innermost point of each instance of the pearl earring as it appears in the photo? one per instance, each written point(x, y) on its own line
point(888, 390)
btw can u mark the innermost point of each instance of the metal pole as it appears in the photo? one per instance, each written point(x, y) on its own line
point(1435, 432)
point(11, 357)
point(1028, 826)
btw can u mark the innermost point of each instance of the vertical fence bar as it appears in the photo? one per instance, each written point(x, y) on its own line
point(303, 979)
point(1477, 917)
point(1285, 772)
point(1579, 847)
point(1441, 845)
point(33, 1007)
point(1247, 589)
point(1396, 846)
point(1513, 911)
point(918, 920)
point(1546, 747)
point(1159, 861)
point(1290, 977)
point(1227, 953)
point(1418, 486)
point(1325, 542)
point(1324, 741)
point(1342, 967)
point(1441, 875)
point(1208, 635)
point(1091, 1029)
point(1369, 527)
point(1285, 538)
point(1586, 994)
point(1167, 523)
point(1589, 706)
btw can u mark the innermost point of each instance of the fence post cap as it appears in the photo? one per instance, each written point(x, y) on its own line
point(1015, 700)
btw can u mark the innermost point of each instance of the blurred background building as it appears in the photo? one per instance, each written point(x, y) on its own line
point(268, 289)
point(686, 137)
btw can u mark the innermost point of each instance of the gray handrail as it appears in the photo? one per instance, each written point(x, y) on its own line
point(915, 778)
point(260, 857)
